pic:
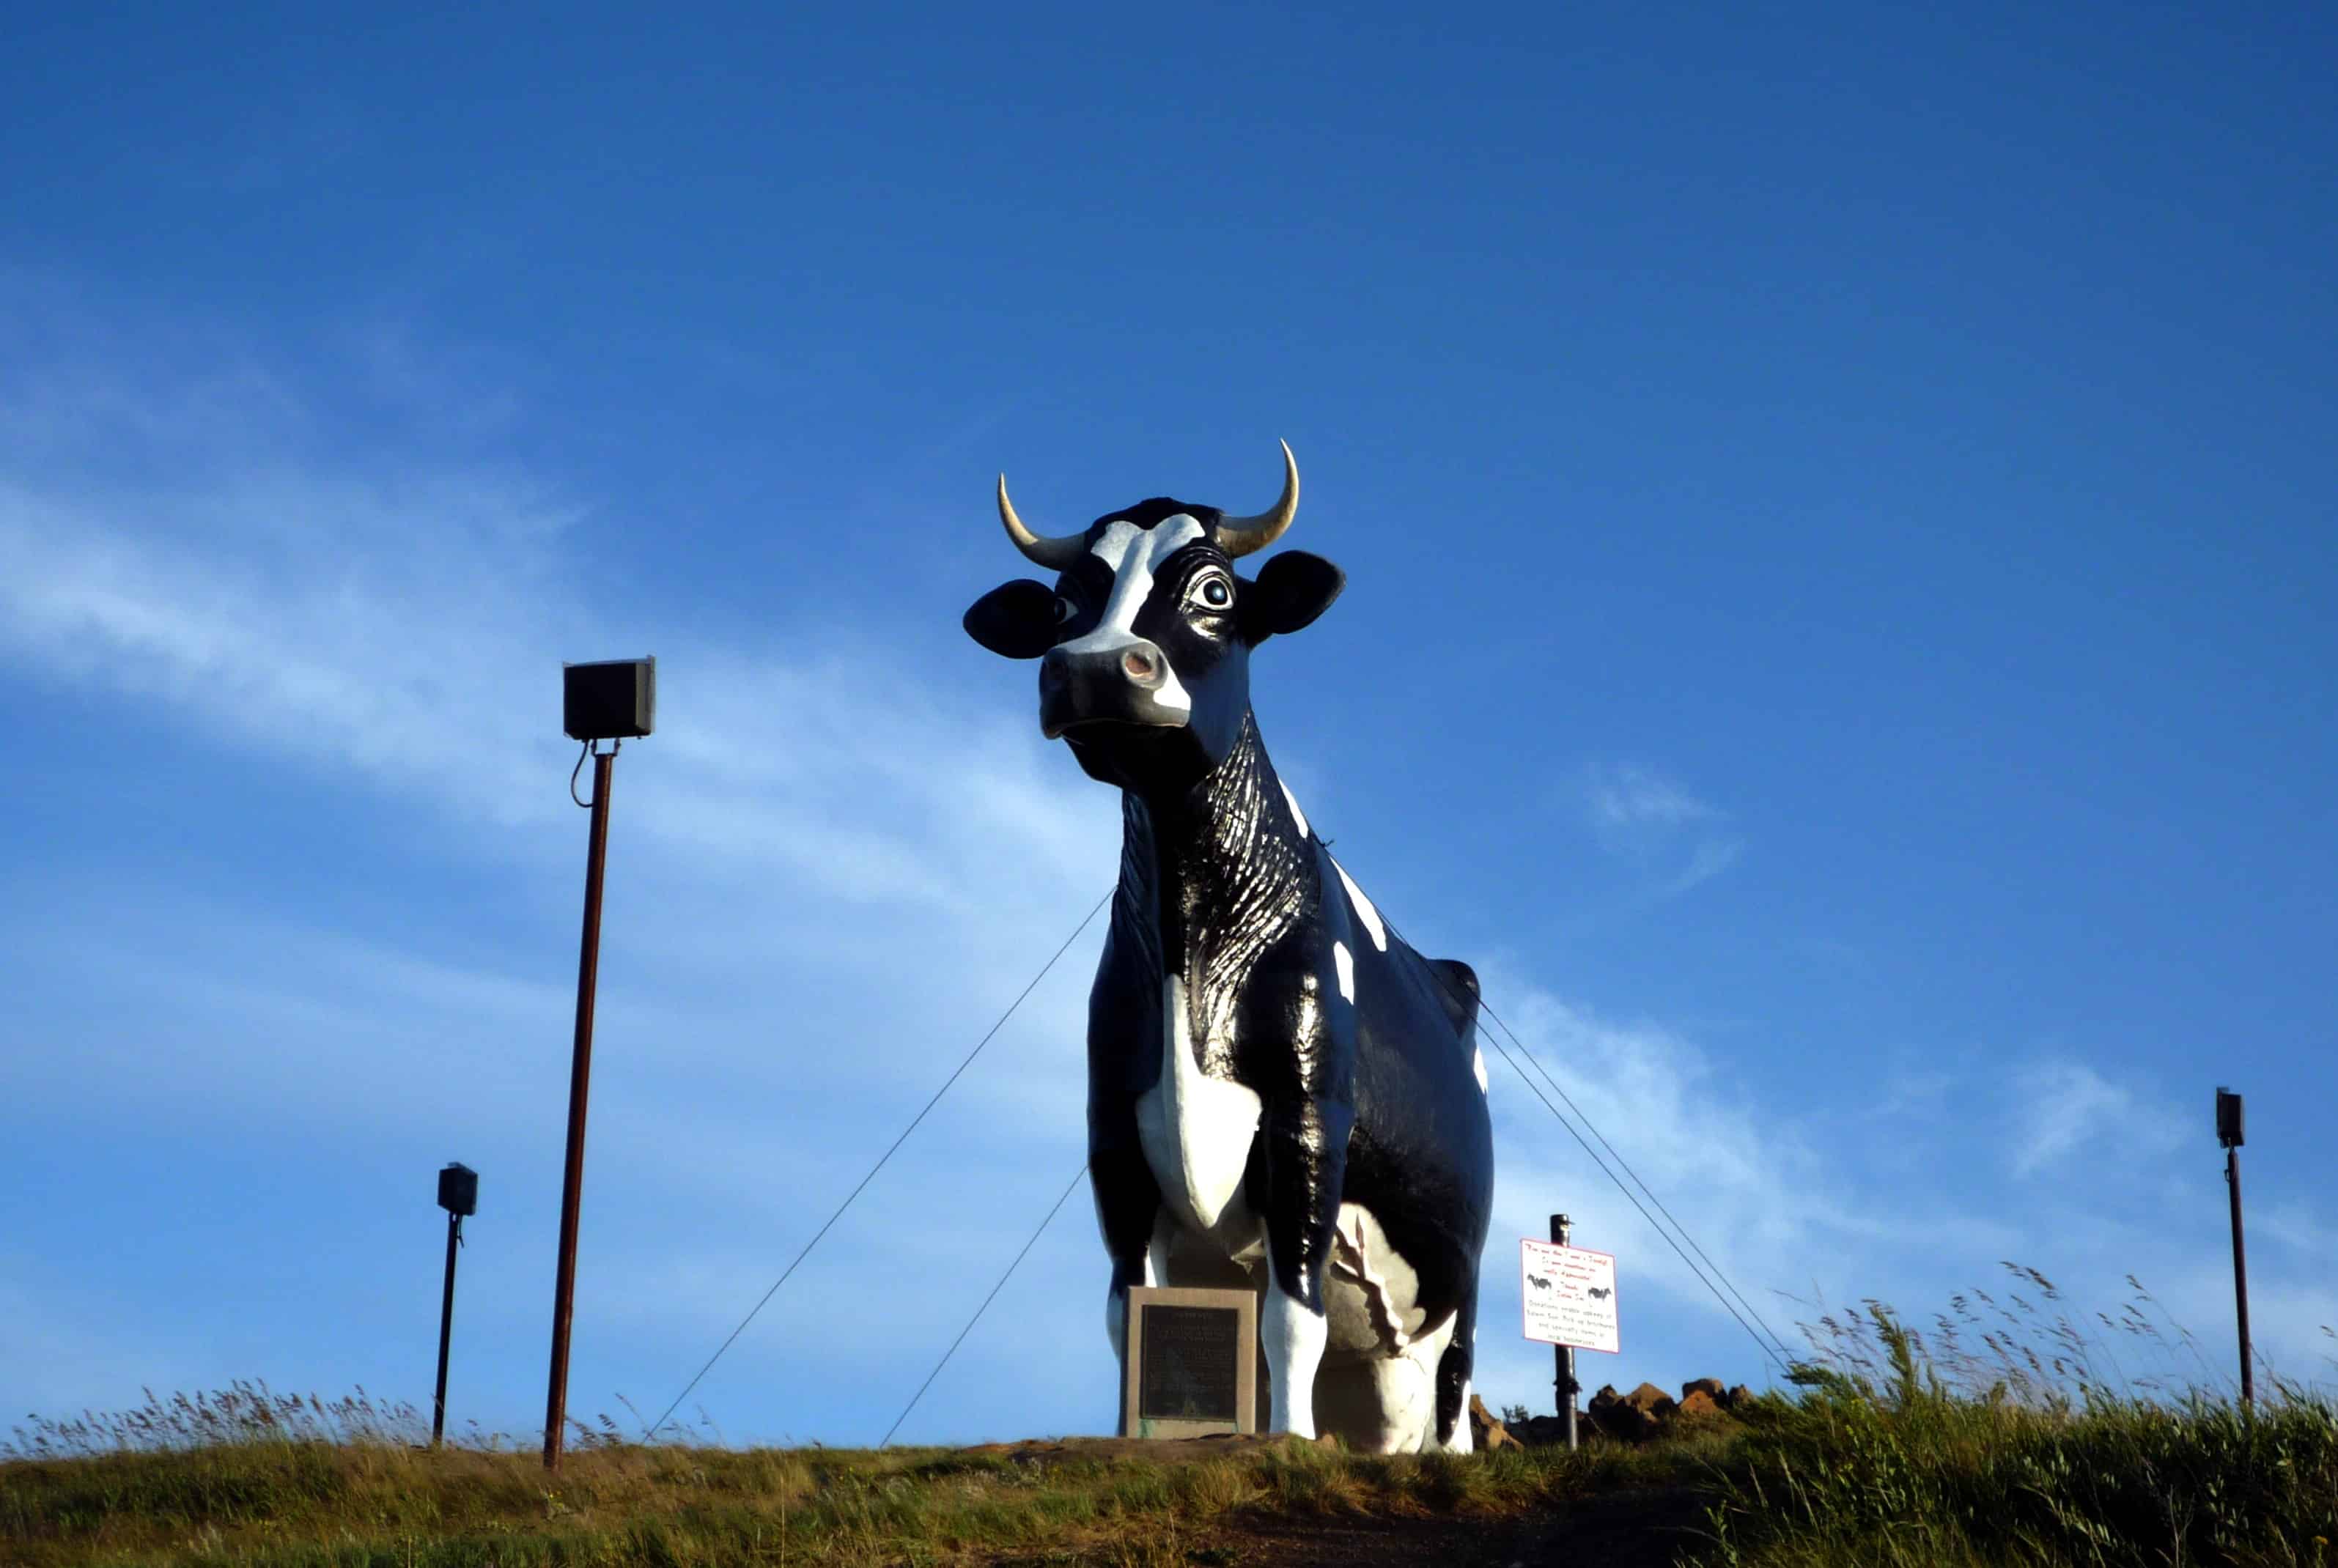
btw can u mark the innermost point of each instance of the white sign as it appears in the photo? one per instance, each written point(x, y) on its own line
point(1569, 1294)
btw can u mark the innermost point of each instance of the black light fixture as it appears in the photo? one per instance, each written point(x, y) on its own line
point(2228, 1119)
point(458, 1190)
point(613, 700)
point(458, 1194)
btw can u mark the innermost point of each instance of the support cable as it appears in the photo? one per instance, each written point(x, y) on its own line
point(1729, 1284)
point(1771, 1350)
point(648, 1431)
point(1759, 1343)
point(979, 1311)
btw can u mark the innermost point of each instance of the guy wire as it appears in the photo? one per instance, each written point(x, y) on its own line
point(1766, 1349)
point(979, 1311)
point(881, 1158)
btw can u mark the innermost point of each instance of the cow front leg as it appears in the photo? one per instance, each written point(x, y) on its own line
point(1305, 1148)
point(1128, 1203)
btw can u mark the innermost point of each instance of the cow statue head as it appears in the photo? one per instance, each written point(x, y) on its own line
point(1143, 638)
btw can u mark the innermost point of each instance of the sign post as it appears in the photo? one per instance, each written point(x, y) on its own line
point(1560, 1227)
point(1568, 1296)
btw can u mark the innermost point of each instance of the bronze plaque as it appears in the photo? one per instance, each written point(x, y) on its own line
point(1192, 1363)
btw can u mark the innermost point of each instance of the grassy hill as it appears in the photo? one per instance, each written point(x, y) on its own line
point(1997, 1440)
point(1845, 1472)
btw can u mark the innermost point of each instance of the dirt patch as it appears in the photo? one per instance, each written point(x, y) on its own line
point(1636, 1530)
point(1646, 1528)
point(1158, 1450)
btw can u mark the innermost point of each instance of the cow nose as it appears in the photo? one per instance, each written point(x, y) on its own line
point(1142, 665)
point(1053, 669)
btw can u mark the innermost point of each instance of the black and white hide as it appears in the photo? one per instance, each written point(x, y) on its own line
point(1281, 1094)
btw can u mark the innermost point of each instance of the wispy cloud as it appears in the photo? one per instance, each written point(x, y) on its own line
point(1674, 838)
point(1623, 796)
point(2061, 1105)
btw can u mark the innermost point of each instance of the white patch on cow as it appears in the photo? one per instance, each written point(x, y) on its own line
point(1363, 907)
point(1293, 1338)
point(1384, 1283)
point(1477, 1065)
point(1344, 963)
point(1133, 555)
point(1297, 816)
point(1196, 1130)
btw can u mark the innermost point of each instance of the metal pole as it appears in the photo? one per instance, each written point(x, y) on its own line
point(580, 1072)
point(2240, 1274)
point(1560, 1227)
point(446, 1331)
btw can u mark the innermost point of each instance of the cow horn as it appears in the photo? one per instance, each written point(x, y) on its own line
point(1056, 554)
point(1240, 536)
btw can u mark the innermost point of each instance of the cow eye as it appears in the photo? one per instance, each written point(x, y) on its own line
point(1214, 591)
point(1065, 610)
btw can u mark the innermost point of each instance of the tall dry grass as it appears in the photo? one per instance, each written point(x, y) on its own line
point(2012, 1434)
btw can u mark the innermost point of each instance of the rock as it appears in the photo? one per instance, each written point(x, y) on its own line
point(1710, 1386)
point(1651, 1401)
point(1543, 1431)
point(1486, 1434)
point(1737, 1398)
point(1632, 1417)
point(1700, 1406)
point(1629, 1423)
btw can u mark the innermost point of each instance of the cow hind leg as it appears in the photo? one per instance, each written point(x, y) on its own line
point(1451, 1431)
point(1381, 1403)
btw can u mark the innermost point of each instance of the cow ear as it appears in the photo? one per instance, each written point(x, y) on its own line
point(1292, 589)
point(1014, 619)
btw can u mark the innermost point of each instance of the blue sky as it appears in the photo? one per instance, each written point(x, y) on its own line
point(1838, 513)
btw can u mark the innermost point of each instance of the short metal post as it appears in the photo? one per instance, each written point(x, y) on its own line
point(446, 1331)
point(1560, 1227)
point(2240, 1274)
point(580, 1073)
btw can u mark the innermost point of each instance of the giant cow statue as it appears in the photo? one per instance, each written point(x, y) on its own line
point(1281, 1094)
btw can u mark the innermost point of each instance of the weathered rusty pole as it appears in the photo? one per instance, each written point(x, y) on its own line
point(2228, 1134)
point(580, 1081)
point(615, 700)
point(458, 1194)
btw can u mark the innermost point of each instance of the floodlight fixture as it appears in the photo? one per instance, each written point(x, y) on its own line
point(458, 1190)
point(2228, 1119)
point(613, 699)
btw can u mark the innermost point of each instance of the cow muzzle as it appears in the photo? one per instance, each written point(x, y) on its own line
point(1127, 681)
